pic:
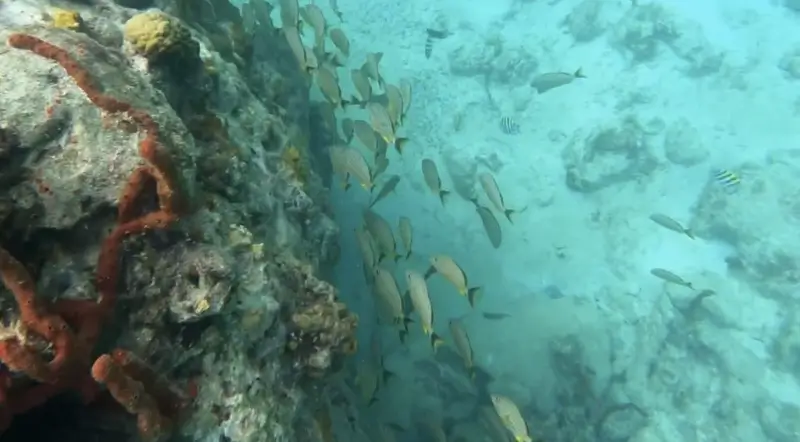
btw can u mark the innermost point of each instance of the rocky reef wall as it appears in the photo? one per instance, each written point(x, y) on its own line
point(164, 225)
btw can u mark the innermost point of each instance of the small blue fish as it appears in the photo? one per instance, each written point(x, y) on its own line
point(509, 126)
point(726, 178)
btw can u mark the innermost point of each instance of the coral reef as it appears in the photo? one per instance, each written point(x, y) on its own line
point(588, 20)
point(164, 216)
point(645, 28)
point(609, 154)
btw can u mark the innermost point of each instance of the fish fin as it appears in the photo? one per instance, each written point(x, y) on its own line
point(372, 401)
point(472, 373)
point(474, 200)
point(473, 295)
point(508, 213)
point(397, 257)
point(403, 334)
point(690, 286)
point(689, 233)
point(407, 321)
point(399, 144)
point(436, 341)
point(443, 194)
point(431, 270)
point(408, 255)
point(579, 73)
point(386, 375)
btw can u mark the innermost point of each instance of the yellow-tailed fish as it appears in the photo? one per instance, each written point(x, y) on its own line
point(376, 353)
point(313, 15)
point(372, 67)
point(551, 80)
point(290, 14)
point(670, 277)
point(406, 234)
point(335, 8)
point(463, 345)
point(431, 174)
point(366, 244)
point(511, 417)
point(495, 196)
point(381, 231)
point(367, 380)
point(394, 104)
point(262, 11)
point(381, 121)
point(387, 188)
point(490, 225)
point(305, 58)
point(347, 129)
point(365, 134)
point(418, 292)
point(669, 223)
point(405, 92)
point(328, 114)
point(387, 290)
point(329, 85)
point(248, 18)
point(358, 168)
point(339, 164)
point(447, 267)
point(340, 40)
point(324, 423)
point(381, 163)
point(362, 85)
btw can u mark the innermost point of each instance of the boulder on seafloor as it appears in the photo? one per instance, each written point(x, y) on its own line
point(609, 154)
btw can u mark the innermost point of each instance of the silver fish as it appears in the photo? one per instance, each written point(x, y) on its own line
point(544, 82)
point(491, 225)
point(669, 223)
point(670, 277)
point(431, 175)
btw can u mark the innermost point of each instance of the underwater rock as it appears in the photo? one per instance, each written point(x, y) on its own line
point(491, 55)
point(642, 29)
point(588, 20)
point(683, 144)
point(608, 155)
point(790, 63)
point(754, 217)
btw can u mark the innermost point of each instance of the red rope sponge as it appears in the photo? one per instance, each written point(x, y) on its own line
point(131, 382)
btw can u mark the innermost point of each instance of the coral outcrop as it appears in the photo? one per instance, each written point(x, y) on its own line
point(151, 256)
point(609, 154)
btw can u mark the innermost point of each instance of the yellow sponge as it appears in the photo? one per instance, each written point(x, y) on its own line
point(155, 33)
point(65, 19)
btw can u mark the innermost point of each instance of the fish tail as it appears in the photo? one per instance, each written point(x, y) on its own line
point(405, 321)
point(431, 270)
point(688, 233)
point(443, 194)
point(474, 200)
point(473, 295)
point(374, 399)
point(508, 213)
point(408, 255)
point(579, 73)
point(436, 341)
point(372, 203)
point(386, 375)
point(690, 286)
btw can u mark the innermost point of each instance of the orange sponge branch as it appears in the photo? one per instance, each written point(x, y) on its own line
point(72, 327)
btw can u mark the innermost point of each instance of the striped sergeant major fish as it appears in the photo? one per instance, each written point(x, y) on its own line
point(509, 126)
point(726, 178)
point(433, 34)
